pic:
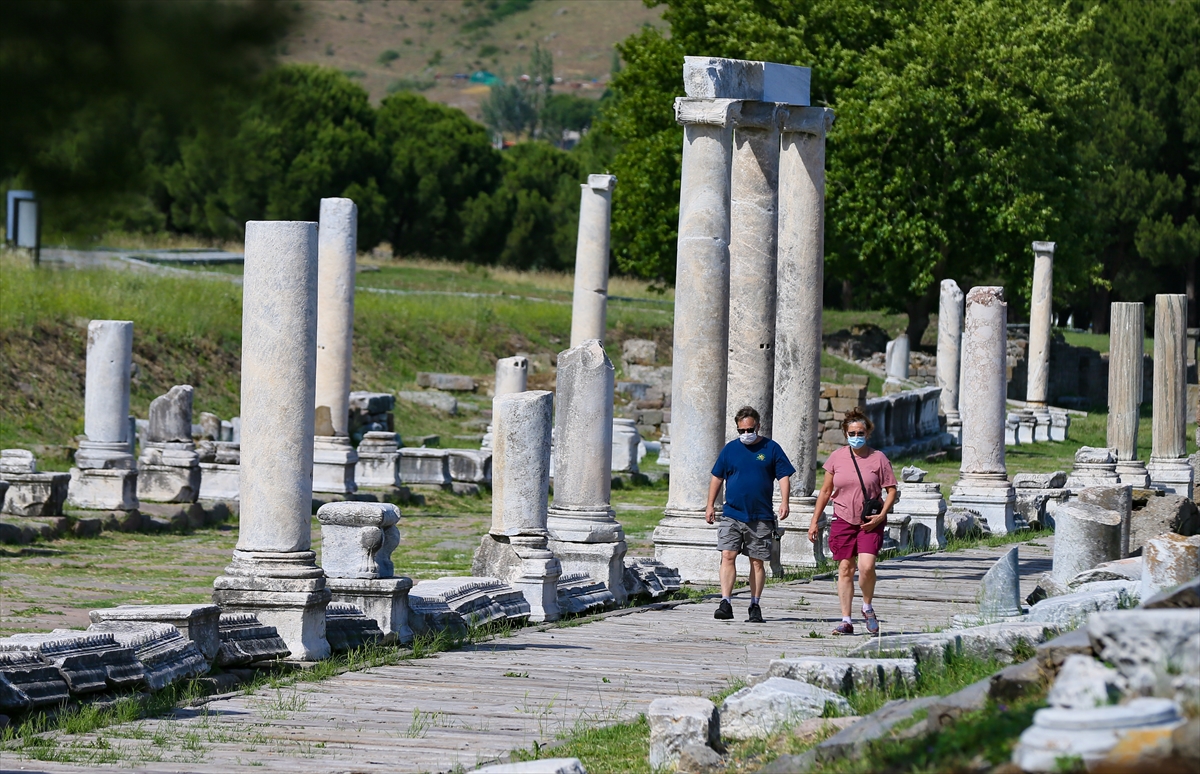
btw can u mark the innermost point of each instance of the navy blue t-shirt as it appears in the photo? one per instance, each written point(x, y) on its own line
point(750, 473)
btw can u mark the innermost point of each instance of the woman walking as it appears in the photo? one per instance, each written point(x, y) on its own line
point(856, 477)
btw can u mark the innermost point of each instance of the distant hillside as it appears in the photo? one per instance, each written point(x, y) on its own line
point(422, 44)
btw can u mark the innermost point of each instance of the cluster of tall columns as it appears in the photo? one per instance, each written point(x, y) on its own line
point(1169, 468)
point(748, 286)
point(334, 456)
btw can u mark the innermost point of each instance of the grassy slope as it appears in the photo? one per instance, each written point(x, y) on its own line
point(350, 35)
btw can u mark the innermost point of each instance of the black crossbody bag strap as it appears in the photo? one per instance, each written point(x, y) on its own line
point(866, 499)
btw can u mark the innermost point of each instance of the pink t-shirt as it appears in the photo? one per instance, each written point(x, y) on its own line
point(877, 474)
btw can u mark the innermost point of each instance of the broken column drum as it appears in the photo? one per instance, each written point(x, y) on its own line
point(1169, 469)
point(983, 485)
point(589, 308)
point(754, 197)
point(512, 375)
point(898, 351)
point(104, 476)
point(169, 468)
point(274, 573)
point(798, 319)
point(515, 548)
point(700, 349)
point(584, 534)
point(1126, 336)
point(334, 457)
point(1041, 307)
point(949, 350)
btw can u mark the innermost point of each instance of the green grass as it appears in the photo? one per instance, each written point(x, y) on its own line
point(1096, 341)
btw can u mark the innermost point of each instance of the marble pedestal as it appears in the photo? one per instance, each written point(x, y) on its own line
point(923, 503)
point(169, 472)
point(334, 460)
point(954, 430)
point(604, 562)
point(1027, 426)
point(103, 490)
point(425, 467)
point(525, 563)
point(286, 590)
point(683, 540)
point(219, 481)
point(35, 494)
point(1133, 472)
point(994, 501)
point(378, 463)
point(1174, 476)
point(384, 599)
point(1060, 425)
point(795, 550)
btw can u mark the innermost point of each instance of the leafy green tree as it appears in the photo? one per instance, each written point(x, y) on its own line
point(531, 219)
point(566, 112)
point(955, 144)
point(308, 134)
point(517, 108)
point(1147, 200)
point(437, 160)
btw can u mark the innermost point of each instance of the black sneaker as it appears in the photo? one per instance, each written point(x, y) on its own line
point(755, 614)
point(724, 611)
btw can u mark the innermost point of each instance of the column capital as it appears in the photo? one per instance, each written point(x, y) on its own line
point(806, 120)
point(1044, 247)
point(758, 115)
point(713, 112)
point(601, 182)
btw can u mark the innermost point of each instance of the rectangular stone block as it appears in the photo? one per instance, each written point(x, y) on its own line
point(103, 490)
point(35, 495)
point(219, 481)
point(198, 623)
point(844, 404)
point(717, 78)
point(449, 382)
point(425, 467)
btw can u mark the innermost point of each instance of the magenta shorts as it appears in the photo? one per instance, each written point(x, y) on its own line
point(848, 540)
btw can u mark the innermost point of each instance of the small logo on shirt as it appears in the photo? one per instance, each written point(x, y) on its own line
point(762, 457)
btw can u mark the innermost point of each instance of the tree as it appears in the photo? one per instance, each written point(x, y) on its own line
point(308, 134)
point(437, 160)
point(530, 220)
point(517, 108)
point(566, 112)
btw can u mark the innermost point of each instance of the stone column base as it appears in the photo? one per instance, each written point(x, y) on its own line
point(596, 525)
point(1060, 425)
point(334, 459)
point(525, 563)
point(1027, 426)
point(35, 494)
point(795, 550)
point(103, 490)
point(604, 562)
point(954, 430)
point(1133, 472)
point(994, 503)
point(685, 541)
point(219, 481)
point(1174, 476)
point(384, 599)
point(99, 455)
point(1041, 430)
point(284, 590)
point(377, 470)
point(927, 531)
point(168, 483)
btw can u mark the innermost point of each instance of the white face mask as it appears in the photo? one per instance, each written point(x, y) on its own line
point(748, 438)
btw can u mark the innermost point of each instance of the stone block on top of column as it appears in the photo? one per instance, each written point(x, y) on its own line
point(718, 78)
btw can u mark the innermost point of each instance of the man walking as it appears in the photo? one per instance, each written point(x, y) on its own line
point(749, 468)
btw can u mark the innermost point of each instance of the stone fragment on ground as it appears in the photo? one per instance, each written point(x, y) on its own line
point(1016, 680)
point(88, 661)
point(543, 766)
point(1053, 654)
point(998, 641)
point(1071, 610)
point(1090, 734)
point(451, 382)
point(946, 710)
point(1084, 683)
point(846, 675)
point(700, 759)
point(198, 623)
point(27, 682)
point(245, 641)
point(347, 628)
point(650, 576)
point(679, 721)
point(851, 741)
point(964, 523)
point(1168, 561)
point(432, 398)
point(1055, 480)
point(1120, 569)
point(1156, 512)
point(759, 711)
point(1186, 595)
point(166, 655)
point(1156, 651)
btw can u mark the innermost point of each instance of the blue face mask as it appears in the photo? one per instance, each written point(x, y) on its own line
point(857, 441)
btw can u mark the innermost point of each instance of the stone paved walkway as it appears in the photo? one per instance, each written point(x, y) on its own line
point(472, 706)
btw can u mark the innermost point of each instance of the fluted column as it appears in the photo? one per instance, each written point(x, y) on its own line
point(700, 350)
point(949, 351)
point(274, 573)
point(589, 309)
point(1169, 468)
point(1126, 334)
point(798, 315)
point(754, 218)
point(1041, 307)
point(983, 485)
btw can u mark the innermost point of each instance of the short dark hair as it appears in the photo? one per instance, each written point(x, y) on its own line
point(856, 416)
point(744, 412)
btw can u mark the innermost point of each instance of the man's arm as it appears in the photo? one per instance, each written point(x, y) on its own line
point(785, 491)
point(710, 510)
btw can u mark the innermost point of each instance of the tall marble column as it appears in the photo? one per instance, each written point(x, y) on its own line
point(1126, 334)
point(274, 573)
point(983, 485)
point(754, 196)
point(515, 549)
point(584, 533)
point(949, 351)
point(798, 317)
point(589, 309)
point(1041, 307)
point(334, 457)
point(1169, 467)
point(700, 352)
point(104, 476)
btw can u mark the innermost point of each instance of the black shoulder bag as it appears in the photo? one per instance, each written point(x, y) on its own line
point(871, 505)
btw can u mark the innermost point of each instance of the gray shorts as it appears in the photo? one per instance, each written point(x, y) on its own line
point(750, 538)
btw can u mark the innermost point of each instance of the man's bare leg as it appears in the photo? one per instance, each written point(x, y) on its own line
point(728, 573)
point(758, 577)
